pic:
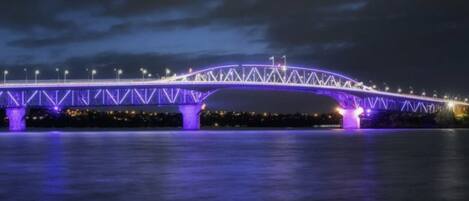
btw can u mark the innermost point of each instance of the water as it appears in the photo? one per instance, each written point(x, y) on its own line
point(236, 165)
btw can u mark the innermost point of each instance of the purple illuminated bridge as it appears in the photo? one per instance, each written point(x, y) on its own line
point(189, 92)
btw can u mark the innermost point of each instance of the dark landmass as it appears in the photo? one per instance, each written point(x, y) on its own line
point(76, 118)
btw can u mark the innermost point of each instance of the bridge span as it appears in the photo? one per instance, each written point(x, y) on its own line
point(190, 91)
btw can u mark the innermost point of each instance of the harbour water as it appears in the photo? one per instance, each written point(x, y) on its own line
point(371, 165)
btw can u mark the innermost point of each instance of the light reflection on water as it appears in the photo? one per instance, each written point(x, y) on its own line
point(235, 165)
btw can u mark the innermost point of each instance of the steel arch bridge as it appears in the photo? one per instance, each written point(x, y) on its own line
point(190, 90)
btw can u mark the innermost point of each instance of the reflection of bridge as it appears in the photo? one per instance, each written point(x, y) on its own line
point(189, 91)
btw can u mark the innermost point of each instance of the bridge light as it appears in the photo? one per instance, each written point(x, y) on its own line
point(399, 90)
point(450, 104)
point(120, 72)
point(386, 89)
point(424, 94)
point(36, 73)
point(465, 100)
point(374, 86)
point(340, 110)
point(190, 70)
point(93, 72)
point(65, 75)
point(435, 96)
point(167, 71)
point(5, 73)
point(144, 72)
point(358, 111)
point(446, 97)
point(411, 91)
point(284, 67)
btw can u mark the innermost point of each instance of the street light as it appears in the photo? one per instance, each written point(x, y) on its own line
point(58, 74)
point(149, 75)
point(65, 75)
point(5, 73)
point(93, 72)
point(36, 73)
point(272, 58)
point(118, 74)
point(386, 88)
point(26, 75)
point(284, 67)
point(399, 90)
point(144, 72)
point(167, 71)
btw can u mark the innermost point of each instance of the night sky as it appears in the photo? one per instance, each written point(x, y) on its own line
point(418, 43)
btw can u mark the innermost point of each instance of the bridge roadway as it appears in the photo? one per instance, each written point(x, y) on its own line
point(189, 91)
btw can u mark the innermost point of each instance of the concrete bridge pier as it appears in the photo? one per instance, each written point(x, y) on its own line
point(16, 118)
point(190, 116)
point(350, 117)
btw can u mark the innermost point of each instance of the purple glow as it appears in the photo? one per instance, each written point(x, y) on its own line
point(56, 108)
point(350, 118)
point(16, 118)
point(190, 116)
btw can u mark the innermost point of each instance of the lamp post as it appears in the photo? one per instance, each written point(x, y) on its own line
point(26, 75)
point(118, 74)
point(5, 73)
point(93, 72)
point(272, 58)
point(36, 73)
point(144, 72)
point(284, 67)
point(58, 74)
point(167, 72)
point(65, 75)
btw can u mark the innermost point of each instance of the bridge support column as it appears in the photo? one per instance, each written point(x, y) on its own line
point(190, 116)
point(350, 118)
point(16, 118)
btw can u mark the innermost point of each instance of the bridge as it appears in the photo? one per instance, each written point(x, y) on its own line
point(191, 90)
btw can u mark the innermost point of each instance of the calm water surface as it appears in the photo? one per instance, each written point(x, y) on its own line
point(236, 165)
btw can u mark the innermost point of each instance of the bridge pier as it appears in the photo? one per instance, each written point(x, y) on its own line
point(190, 116)
point(350, 118)
point(16, 118)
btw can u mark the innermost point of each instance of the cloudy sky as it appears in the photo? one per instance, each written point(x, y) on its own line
point(419, 43)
